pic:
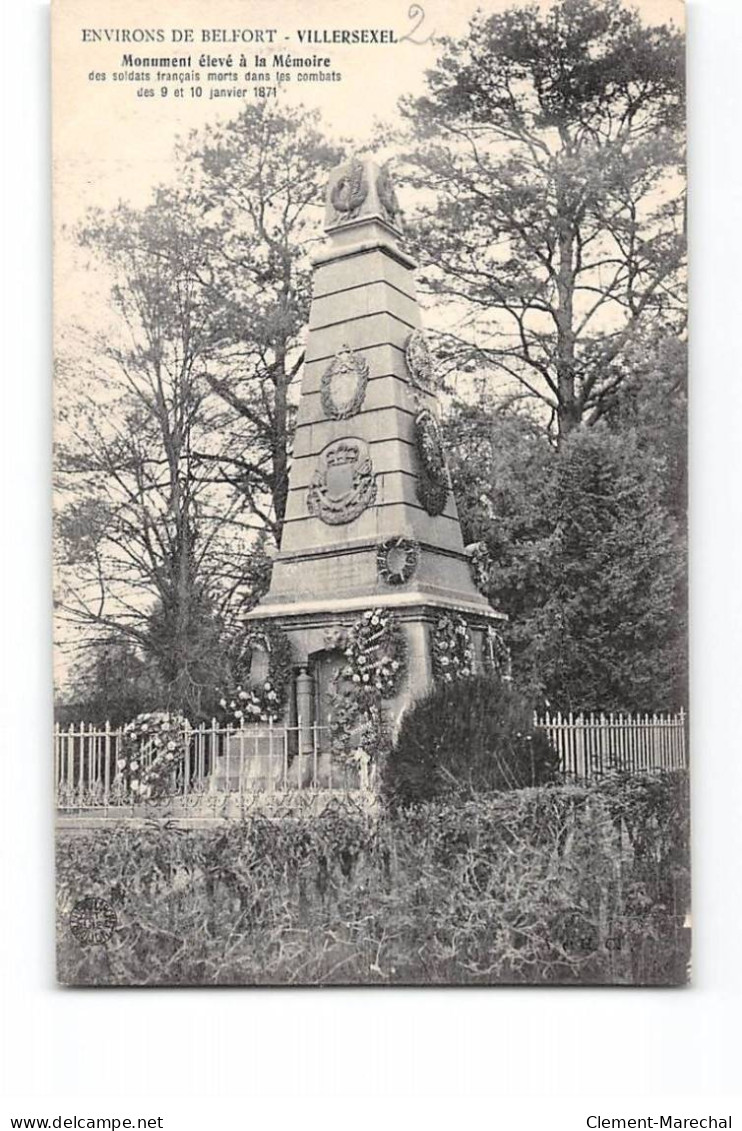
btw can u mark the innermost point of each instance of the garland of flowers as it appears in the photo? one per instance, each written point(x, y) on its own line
point(376, 660)
point(432, 481)
point(480, 565)
point(153, 747)
point(452, 651)
point(359, 732)
point(375, 653)
point(252, 703)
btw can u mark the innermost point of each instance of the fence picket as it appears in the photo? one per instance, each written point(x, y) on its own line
point(587, 745)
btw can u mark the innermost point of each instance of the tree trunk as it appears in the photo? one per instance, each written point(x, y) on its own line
point(568, 408)
point(280, 444)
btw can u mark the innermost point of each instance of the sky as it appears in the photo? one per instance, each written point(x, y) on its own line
point(110, 144)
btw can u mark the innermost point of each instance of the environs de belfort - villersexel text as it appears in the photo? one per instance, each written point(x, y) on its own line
point(306, 36)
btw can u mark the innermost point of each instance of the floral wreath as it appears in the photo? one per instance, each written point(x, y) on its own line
point(153, 746)
point(375, 653)
point(405, 548)
point(252, 703)
point(452, 651)
point(432, 482)
point(480, 565)
point(420, 361)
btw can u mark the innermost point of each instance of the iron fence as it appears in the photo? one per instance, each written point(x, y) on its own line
point(235, 764)
point(590, 745)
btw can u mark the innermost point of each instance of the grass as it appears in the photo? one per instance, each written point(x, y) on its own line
point(552, 885)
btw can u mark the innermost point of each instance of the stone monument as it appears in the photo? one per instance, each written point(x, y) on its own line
point(371, 521)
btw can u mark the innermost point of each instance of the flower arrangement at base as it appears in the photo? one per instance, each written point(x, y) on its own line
point(376, 661)
point(265, 699)
point(153, 748)
point(359, 733)
point(452, 651)
point(376, 653)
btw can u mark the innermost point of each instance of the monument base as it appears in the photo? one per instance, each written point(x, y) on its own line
point(318, 636)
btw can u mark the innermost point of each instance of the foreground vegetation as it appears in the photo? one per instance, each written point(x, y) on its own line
point(547, 885)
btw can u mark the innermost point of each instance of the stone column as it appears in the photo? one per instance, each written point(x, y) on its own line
point(305, 708)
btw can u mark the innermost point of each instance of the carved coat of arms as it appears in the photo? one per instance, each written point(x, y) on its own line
point(420, 361)
point(343, 484)
point(343, 384)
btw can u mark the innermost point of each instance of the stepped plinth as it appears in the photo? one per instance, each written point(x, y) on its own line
point(371, 519)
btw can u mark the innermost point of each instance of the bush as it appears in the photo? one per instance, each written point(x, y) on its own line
point(470, 736)
point(568, 884)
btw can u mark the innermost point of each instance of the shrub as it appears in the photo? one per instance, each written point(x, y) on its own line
point(470, 736)
point(540, 886)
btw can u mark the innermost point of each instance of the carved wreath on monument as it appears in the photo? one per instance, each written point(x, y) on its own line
point(432, 482)
point(343, 385)
point(420, 361)
point(396, 560)
point(260, 692)
point(388, 197)
point(349, 191)
point(343, 484)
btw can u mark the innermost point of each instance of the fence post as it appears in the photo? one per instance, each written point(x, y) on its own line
point(57, 764)
point(213, 756)
point(187, 759)
point(242, 757)
point(557, 724)
point(81, 769)
point(107, 765)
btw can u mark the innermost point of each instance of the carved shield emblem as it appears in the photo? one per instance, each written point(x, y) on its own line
point(420, 361)
point(343, 384)
point(343, 484)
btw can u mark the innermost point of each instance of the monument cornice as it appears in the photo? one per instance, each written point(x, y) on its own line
point(417, 603)
point(360, 546)
point(363, 247)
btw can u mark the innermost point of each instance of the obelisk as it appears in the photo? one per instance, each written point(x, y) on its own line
point(371, 520)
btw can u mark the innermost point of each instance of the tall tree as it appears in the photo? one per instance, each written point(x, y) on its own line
point(177, 419)
point(260, 182)
point(552, 155)
point(588, 559)
point(150, 545)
